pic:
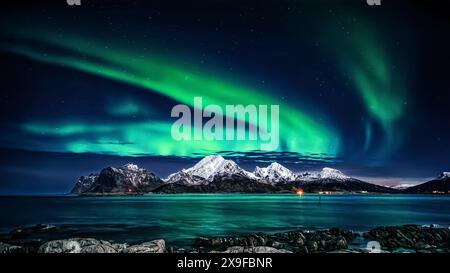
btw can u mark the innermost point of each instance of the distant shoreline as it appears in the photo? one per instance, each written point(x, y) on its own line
point(214, 193)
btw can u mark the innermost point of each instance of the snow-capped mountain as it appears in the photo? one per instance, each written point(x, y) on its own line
point(440, 185)
point(182, 177)
point(444, 175)
point(329, 173)
point(212, 165)
point(274, 173)
point(207, 169)
point(128, 178)
point(132, 167)
point(325, 173)
point(217, 174)
point(85, 183)
point(403, 186)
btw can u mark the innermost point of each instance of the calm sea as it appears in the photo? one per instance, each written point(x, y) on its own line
point(180, 218)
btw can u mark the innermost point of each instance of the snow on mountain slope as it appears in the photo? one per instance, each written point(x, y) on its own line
point(204, 172)
point(216, 174)
point(212, 165)
point(332, 174)
point(118, 179)
point(325, 173)
point(206, 169)
point(274, 173)
point(444, 175)
point(403, 186)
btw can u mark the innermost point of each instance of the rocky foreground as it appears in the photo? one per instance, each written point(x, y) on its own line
point(86, 245)
point(408, 238)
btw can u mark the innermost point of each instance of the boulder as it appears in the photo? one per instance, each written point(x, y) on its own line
point(156, 246)
point(89, 245)
point(302, 241)
point(256, 249)
point(7, 248)
point(77, 245)
point(25, 231)
point(265, 249)
point(410, 237)
point(231, 249)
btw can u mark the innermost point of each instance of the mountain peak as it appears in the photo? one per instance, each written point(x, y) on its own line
point(128, 178)
point(332, 173)
point(217, 174)
point(274, 173)
point(403, 186)
point(210, 159)
point(276, 165)
point(211, 165)
point(444, 175)
point(131, 166)
point(325, 173)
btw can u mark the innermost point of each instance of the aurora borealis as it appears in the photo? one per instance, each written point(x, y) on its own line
point(357, 88)
point(300, 132)
point(378, 77)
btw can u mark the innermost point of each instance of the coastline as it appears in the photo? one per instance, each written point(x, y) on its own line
point(384, 239)
point(240, 223)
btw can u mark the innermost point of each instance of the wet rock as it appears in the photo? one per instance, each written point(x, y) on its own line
point(265, 249)
point(22, 232)
point(119, 247)
point(261, 239)
point(424, 251)
point(297, 241)
point(341, 243)
point(178, 250)
point(313, 246)
point(422, 245)
point(202, 242)
point(7, 248)
point(257, 249)
point(77, 245)
point(101, 248)
point(252, 241)
point(348, 251)
point(275, 244)
point(410, 237)
point(231, 249)
point(327, 240)
point(156, 246)
point(304, 249)
point(90, 245)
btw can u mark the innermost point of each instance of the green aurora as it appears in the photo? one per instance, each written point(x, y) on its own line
point(300, 132)
point(378, 77)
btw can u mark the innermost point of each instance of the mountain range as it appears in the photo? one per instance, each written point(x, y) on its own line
point(439, 185)
point(215, 174)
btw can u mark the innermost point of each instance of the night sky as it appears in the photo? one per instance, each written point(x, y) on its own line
point(363, 89)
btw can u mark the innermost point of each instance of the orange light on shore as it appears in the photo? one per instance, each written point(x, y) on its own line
point(299, 191)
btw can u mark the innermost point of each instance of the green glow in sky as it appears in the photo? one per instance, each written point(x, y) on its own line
point(299, 131)
point(375, 81)
point(131, 138)
point(377, 76)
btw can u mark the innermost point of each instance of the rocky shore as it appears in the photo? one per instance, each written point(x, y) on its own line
point(408, 238)
point(293, 241)
point(411, 237)
point(86, 245)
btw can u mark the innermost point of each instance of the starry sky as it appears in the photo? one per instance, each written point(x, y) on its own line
point(361, 88)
